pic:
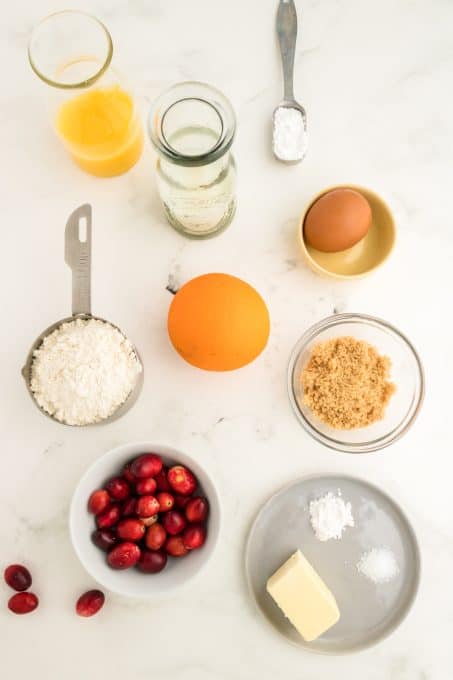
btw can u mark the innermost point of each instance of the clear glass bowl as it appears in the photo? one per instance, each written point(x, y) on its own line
point(406, 373)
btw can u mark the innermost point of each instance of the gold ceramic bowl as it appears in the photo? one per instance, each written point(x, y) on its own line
point(367, 255)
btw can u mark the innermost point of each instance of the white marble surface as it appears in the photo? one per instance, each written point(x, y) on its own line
point(375, 78)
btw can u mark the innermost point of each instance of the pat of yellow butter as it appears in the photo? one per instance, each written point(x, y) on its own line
point(303, 597)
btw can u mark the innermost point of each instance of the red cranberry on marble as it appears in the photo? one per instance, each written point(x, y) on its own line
point(90, 603)
point(17, 576)
point(23, 603)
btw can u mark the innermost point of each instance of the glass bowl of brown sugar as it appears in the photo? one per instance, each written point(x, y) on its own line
point(355, 382)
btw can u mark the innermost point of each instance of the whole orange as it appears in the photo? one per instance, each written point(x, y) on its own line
point(218, 322)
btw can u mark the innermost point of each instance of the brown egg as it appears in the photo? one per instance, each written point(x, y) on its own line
point(337, 220)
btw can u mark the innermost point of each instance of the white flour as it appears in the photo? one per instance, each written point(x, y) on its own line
point(84, 371)
point(290, 137)
point(379, 565)
point(329, 516)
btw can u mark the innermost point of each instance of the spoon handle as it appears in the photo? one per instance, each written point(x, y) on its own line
point(78, 258)
point(287, 35)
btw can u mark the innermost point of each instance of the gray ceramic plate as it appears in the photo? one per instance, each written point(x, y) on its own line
point(369, 612)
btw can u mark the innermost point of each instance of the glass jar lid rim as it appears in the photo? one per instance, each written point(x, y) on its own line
point(223, 109)
point(86, 81)
point(197, 156)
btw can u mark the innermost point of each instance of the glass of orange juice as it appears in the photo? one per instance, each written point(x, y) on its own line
point(93, 112)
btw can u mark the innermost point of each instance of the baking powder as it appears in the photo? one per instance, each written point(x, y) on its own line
point(290, 137)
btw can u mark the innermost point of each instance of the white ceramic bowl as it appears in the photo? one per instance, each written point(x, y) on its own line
point(132, 582)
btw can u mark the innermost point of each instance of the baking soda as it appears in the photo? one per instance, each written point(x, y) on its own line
point(329, 516)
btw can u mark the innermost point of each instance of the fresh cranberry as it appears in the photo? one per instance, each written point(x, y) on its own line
point(181, 501)
point(23, 603)
point(175, 547)
point(147, 506)
point(17, 577)
point(149, 521)
point(130, 530)
point(124, 555)
point(90, 603)
point(127, 474)
point(109, 517)
point(197, 509)
point(152, 561)
point(174, 522)
point(162, 481)
point(128, 507)
point(194, 536)
point(98, 501)
point(146, 486)
point(148, 465)
point(104, 538)
point(155, 537)
point(182, 480)
point(166, 501)
point(118, 488)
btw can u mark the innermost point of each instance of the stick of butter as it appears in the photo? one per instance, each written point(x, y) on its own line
point(303, 597)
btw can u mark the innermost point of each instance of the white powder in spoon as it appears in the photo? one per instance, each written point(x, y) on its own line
point(378, 565)
point(289, 137)
point(329, 516)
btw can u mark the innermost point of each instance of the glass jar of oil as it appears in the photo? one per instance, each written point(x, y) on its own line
point(192, 127)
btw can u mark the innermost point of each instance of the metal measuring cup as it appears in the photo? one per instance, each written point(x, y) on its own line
point(78, 258)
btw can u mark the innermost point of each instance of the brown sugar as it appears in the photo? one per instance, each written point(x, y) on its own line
point(345, 383)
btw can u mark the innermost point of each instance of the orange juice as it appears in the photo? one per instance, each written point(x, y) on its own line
point(101, 130)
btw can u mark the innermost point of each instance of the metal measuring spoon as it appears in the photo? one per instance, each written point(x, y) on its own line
point(78, 258)
point(289, 119)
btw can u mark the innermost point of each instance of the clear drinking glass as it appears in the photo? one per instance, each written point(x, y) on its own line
point(192, 127)
point(92, 110)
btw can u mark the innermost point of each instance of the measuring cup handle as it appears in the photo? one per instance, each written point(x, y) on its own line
point(78, 258)
point(287, 35)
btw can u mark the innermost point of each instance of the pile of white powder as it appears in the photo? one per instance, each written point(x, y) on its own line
point(83, 371)
point(378, 565)
point(290, 135)
point(329, 516)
